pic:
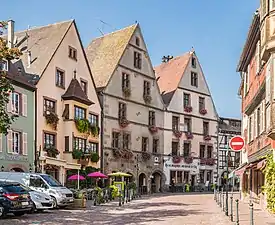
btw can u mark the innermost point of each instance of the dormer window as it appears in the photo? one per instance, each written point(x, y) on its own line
point(72, 53)
point(4, 65)
point(194, 62)
point(137, 41)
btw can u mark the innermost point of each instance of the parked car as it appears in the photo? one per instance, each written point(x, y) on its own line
point(14, 198)
point(41, 201)
point(43, 183)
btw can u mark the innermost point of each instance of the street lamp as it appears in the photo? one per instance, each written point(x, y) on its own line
point(30, 168)
point(2, 168)
point(137, 176)
point(226, 191)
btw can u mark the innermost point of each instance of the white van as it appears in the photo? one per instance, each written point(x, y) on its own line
point(44, 183)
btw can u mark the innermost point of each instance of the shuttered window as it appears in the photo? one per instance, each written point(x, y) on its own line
point(25, 144)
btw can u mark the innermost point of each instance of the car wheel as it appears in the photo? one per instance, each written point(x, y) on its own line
point(2, 212)
point(33, 208)
point(19, 213)
point(54, 202)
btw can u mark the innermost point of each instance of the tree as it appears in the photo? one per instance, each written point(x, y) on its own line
point(5, 84)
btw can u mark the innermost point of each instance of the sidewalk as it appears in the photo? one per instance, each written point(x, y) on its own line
point(260, 216)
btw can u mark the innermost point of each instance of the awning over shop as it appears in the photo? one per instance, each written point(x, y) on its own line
point(239, 171)
point(261, 164)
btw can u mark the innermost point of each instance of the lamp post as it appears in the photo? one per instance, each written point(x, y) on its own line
point(30, 168)
point(226, 191)
point(137, 176)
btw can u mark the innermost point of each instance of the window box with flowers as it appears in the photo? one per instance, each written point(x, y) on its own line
point(188, 160)
point(210, 161)
point(94, 130)
point(126, 91)
point(127, 154)
point(177, 133)
point(203, 111)
point(147, 99)
point(116, 153)
point(82, 125)
point(77, 154)
point(123, 122)
point(176, 159)
point(207, 137)
point(188, 108)
point(189, 135)
point(51, 151)
point(52, 119)
point(153, 129)
point(146, 156)
point(94, 157)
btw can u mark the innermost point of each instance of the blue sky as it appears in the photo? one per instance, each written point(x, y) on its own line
point(216, 28)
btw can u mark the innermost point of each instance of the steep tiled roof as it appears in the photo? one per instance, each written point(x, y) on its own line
point(42, 42)
point(75, 92)
point(169, 75)
point(105, 52)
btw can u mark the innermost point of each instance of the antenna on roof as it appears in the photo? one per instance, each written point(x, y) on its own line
point(100, 32)
point(136, 21)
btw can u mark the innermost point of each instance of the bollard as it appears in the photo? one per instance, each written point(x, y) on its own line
point(231, 208)
point(251, 213)
point(223, 205)
point(237, 212)
point(220, 199)
point(119, 199)
point(217, 198)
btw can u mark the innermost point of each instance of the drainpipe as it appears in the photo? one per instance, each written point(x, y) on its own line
point(35, 131)
point(102, 133)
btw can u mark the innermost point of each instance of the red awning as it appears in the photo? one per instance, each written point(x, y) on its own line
point(240, 171)
point(261, 164)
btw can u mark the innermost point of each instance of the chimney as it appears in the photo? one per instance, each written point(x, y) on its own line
point(29, 58)
point(10, 33)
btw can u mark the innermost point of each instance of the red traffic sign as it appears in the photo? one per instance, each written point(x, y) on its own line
point(236, 143)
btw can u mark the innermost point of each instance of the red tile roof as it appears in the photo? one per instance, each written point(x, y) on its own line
point(169, 75)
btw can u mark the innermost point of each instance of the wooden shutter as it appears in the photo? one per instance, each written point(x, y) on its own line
point(25, 144)
point(1, 142)
point(272, 4)
point(267, 78)
point(24, 105)
point(263, 117)
point(257, 57)
point(9, 105)
point(9, 141)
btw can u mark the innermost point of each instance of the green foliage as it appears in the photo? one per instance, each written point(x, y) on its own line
point(99, 195)
point(115, 191)
point(94, 130)
point(269, 187)
point(5, 85)
point(77, 154)
point(52, 119)
point(51, 151)
point(94, 157)
point(82, 125)
point(132, 185)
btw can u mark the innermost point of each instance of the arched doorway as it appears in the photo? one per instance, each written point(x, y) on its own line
point(16, 169)
point(142, 183)
point(156, 180)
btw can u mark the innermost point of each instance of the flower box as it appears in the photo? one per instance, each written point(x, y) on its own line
point(52, 119)
point(207, 137)
point(188, 108)
point(51, 152)
point(189, 135)
point(116, 153)
point(146, 156)
point(188, 160)
point(153, 129)
point(203, 111)
point(123, 123)
point(177, 133)
point(126, 91)
point(147, 98)
point(82, 125)
point(126, 154)
point(210, 161)
point(176, 159)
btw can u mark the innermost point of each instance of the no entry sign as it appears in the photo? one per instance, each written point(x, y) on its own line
point(236, 143)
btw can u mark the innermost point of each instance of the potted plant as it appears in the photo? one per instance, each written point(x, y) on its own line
point(127, 154)
point(94, 130)
point(207, 137)
point(146, 156)
point(79, 199)
point(177, 133)
point(94, 157)
point(126, 91)
point(147, 98)
point(52, 151)
point(77, 154)
point(203, 111)
point(188, 108)
point(153, 129)
point(123, 122)
point(176, 159)
point(189, 135)
point(52, 119)
point(82, 125)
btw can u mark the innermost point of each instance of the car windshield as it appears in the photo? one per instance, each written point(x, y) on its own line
point(51, 181)
point(15, 188)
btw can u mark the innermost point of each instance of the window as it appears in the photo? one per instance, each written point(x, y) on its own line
point(194, 79)
point(175, 123)
point(36, 182)
point(205, 128)
point(155, 145)
point(250, 129)
point(258, 121)
point(16, 103)
point(49, 105)
point(49, 140)
point(67, 143)
point(152, 118)
point(4, 65)
point(115, 139)
point(225, 139)
point(146, 88)
point(201, 176)
point(186, 100)
point(79, 113)
point(125, 81)
point(201, 103)
point(83, 84)
point(186, 176)
point(72, 53)
point(80, 144)
point(209, 152)
point(186, 149)
point(93, 147)
point(59, 78)
point(144, 143)
point(209, 176)
point(16, 142)
point(126, 141)
point(202, 151)
point(193, 62)
point(187, 122)
point(137, 41)
point(93, 119)
point(137, 60)
point(122, 109)
point(175, 147)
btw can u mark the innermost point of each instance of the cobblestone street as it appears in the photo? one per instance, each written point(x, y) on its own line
point(161, 210)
